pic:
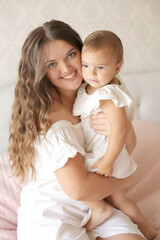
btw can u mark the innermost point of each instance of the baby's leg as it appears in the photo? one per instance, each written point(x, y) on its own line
point(100, 212)
point(123, 236)
point(126, 205)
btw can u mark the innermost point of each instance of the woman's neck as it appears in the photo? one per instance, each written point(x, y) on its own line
point(63, 98)
point(68, 98)
point(62, 106)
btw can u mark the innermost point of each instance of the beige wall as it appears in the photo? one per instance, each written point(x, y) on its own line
point(137, 22)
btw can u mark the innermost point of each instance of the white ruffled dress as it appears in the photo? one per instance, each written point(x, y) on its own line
point(46, 212)
point(96, 144)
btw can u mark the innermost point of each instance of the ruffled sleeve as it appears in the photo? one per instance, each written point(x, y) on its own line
point(86, 104)
point(117, 93)
point(60, 144)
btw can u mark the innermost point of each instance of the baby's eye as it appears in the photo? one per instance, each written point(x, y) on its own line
point(84, 65)
point(51, 65)
point(72, 54)
point(100, 67)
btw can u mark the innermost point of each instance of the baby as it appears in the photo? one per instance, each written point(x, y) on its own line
point(102, 58)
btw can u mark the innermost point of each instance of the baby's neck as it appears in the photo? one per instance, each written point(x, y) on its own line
point(90, 89)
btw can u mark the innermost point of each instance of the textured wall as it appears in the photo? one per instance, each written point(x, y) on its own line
point(137, 22)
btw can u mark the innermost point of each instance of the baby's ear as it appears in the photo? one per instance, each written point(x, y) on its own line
point(118, 68)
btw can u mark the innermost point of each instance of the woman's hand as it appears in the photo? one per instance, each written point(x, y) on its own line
point(100, 124)
point(130, 138)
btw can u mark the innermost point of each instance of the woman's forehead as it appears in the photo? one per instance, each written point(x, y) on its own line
point(57, 49)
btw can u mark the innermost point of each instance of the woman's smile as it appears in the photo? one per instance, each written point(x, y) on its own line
point(70, 77)
point(64, 65)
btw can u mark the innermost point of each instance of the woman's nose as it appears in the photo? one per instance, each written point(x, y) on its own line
point(64, 67)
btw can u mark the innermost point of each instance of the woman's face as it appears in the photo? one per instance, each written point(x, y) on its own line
point(63, 63)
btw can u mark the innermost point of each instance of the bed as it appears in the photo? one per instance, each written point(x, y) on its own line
point(145, 190)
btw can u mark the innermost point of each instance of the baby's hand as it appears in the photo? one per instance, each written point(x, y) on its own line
point(103, 168)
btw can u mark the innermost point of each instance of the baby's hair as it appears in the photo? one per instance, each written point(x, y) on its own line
point(105, 39)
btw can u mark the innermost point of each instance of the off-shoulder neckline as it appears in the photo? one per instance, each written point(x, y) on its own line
point(65, 123)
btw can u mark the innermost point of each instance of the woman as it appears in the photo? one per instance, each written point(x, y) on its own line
point(47, 144)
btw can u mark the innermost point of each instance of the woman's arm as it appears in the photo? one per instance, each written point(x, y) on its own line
point(100, 125)
point(86, 186)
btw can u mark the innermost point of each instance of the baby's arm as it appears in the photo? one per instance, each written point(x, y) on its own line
point(118, 120)
point(100, 124)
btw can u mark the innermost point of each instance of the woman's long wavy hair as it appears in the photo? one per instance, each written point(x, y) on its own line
point(33, 102)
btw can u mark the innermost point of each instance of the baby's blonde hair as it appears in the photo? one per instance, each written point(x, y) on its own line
point(104, 39)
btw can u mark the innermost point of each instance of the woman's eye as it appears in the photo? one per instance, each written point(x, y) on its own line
point(51, 65)
point(71, 55)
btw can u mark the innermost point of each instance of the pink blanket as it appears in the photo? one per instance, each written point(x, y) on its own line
point(145, 190)
point(146, 180)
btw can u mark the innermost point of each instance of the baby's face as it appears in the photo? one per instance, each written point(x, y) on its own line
point(99, 67)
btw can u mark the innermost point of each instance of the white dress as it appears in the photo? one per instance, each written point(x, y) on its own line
point(96, 144)
point(46, 212)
